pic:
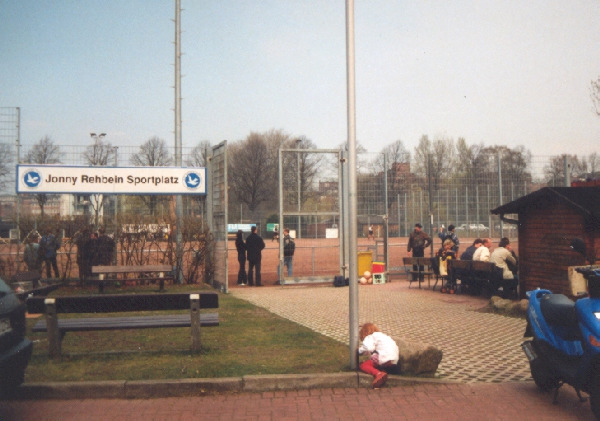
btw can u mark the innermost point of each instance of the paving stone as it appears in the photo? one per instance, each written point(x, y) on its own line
point(477, 346)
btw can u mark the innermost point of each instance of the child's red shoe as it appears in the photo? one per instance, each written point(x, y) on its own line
point(379, 380)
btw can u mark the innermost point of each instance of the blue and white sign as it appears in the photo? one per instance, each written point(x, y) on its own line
point(192, 180)
point(32, 179)
point(38, 179)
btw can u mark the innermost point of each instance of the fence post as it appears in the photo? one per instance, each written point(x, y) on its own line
point(195, 325)
point(54, 339)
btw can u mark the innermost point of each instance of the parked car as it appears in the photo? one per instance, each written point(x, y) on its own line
point(15, 348)
point(472, 227)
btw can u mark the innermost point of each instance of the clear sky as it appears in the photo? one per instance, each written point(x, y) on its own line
point(507, 72)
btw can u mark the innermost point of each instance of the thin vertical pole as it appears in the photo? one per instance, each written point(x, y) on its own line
point(405, 214)
point(352, 185)
point(500, 201)
point(467, 209)
point(398, 208)
point(385, 217)
point(281, 222)
point(18, 215)
point(178, 161)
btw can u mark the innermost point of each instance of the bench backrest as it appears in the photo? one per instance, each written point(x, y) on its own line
point(422, 261)
point(461, 265)
point(122, 302)
point(28, 276)
point(132, 268)
point(483, 266)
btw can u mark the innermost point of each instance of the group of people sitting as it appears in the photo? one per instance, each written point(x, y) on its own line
point(502, 256)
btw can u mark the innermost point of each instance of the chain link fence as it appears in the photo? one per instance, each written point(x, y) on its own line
point(395, 191)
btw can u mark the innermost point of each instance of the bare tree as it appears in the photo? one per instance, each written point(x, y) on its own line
point(555, 171)
point(199, 154)
point(251, 172)
point(43, 152)
point(153, 153)
point(472, 165)
point(593, 165)
point(100, 153)
point(199, 158)
point(434, 160)
point(396, 154)
point(300, 170)
point(6, 159)
point(398, 170)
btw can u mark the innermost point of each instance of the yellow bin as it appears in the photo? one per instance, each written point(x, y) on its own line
point(365, 262)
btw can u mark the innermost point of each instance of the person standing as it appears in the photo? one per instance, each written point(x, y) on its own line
point(418, 241)
point(241, 251)
point(254, 246)
point(289, 247)
point(81, 239)
point(31, 253)
point(49, 244)
point(451, 235)
point(105, 249)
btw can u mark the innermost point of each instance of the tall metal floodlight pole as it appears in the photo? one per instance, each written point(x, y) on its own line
point(178, 162)
point(352, 233)
point(18, 143)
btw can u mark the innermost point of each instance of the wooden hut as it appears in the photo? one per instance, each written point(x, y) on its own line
point(547, 221)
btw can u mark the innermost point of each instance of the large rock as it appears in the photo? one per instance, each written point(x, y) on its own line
point(417, 358)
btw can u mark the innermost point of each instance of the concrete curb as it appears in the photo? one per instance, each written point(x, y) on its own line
point(146, 389)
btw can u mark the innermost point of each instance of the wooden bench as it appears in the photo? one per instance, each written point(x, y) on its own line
point(486, 277)
point(25, 277)
point(33, 278)
point(477, 276)
point(36, 292)
point(145, 273)
point(417, 268)
point(56, 328)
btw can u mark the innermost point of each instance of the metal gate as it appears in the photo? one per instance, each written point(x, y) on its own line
point(217, 263)
point(310, 206)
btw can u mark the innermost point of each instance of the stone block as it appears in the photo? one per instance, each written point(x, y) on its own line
point(417, 358)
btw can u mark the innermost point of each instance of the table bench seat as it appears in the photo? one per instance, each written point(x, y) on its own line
point(477, 276)
point(134, 322)
point(145, 273)
point(124, 303)
point(417, 268)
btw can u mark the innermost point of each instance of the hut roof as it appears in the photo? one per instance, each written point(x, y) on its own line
point(583, 199)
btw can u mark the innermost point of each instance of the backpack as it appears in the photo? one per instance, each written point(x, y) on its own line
point(288, 247)
point(339, 281)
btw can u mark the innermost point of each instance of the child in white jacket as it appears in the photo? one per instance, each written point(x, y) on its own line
point(383, 352)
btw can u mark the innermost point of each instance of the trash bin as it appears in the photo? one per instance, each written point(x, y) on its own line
point(365, 262)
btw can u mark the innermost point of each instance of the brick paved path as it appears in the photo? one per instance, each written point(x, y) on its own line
point(477, 346)
point(450, 402)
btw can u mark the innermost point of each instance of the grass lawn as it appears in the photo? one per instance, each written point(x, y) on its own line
point(249, 340)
